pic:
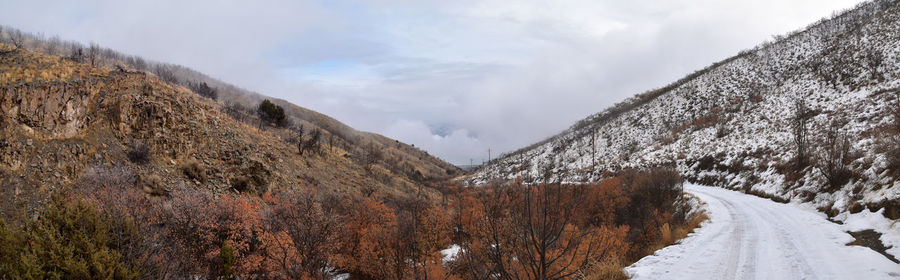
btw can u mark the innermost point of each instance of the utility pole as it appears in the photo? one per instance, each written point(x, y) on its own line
point(489, 154)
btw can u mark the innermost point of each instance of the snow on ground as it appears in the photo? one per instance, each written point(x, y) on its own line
point(866, 219)
point(342, 276)
point(748, 237)
point(450, 253)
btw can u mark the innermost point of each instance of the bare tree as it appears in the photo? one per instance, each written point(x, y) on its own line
point(53, 44)
point(93, 52)
point(203, 89)
point(312, 144)
point(722, 129)
point(77, 54)
point(874, 60)
point(137, 62)
point(834, 156)
point(166, 74)
point(300, 147)
point(236, 111)
point(331, 142)
point(543, 217)
point(895, 112)
point(628, 149)
point(799, 120)
point(890, 138)
point(311, 226)
point(1, 41)
point(372, 156)
point(528, 233)
point(17, 38)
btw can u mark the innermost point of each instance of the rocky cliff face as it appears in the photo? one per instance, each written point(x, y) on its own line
point(54, 109)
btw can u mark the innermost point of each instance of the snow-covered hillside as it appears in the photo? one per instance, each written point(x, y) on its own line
point(730, 124)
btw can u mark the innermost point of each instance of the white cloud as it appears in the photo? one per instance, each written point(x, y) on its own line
point(417, 132)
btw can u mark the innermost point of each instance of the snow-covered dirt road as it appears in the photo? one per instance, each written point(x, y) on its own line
point(748, 237)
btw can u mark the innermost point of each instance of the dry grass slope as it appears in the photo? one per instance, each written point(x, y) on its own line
point(62, 119)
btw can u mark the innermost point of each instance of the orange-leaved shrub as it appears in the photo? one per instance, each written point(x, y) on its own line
point(503, 231)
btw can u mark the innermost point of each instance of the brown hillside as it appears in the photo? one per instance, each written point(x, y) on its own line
point(63, 120)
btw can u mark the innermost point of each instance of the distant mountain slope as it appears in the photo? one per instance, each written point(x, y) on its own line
point(731, 124)
point(396, 156)
point(64, 120)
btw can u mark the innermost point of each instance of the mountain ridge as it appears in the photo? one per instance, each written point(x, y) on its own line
point(66, 121)
point(235, 98)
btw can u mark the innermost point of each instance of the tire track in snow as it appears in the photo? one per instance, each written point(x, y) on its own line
point(740, 262)
point(800, 267)
point(748, 237)
point(731, 262)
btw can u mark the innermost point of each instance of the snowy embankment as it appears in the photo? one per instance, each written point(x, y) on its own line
point(748, 237)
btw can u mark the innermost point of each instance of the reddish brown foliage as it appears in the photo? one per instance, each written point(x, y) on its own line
point(300, 233)
point(506, 232)
point(533, 232)
point(707, 120)
point(604, 201)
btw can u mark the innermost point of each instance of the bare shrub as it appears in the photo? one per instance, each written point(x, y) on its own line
point(77, 54)
point(17, 38)
point(139, 152)
point(708, 120)
point(237, 111)
point(194, 171)
point(833, 157)
point(312, 229)
point(372, 156)
point(312, 144)
point(152, 184)
point(166, 74)
point(722, 129)
point(692, 223)
point(605, 270)
point(203, 89)
point(774, 198)
point(889, 142)
point(799, 120)
point(628, 149)
point(829, 210)
point(665, 234)
point(241, 184)
point(856, 207)
point(535, 229)
point(93, 53)
point(254, 178)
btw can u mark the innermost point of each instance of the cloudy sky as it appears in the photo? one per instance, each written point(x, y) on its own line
point(453, 77)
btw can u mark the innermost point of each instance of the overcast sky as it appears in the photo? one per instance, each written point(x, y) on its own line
point(452, 77)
